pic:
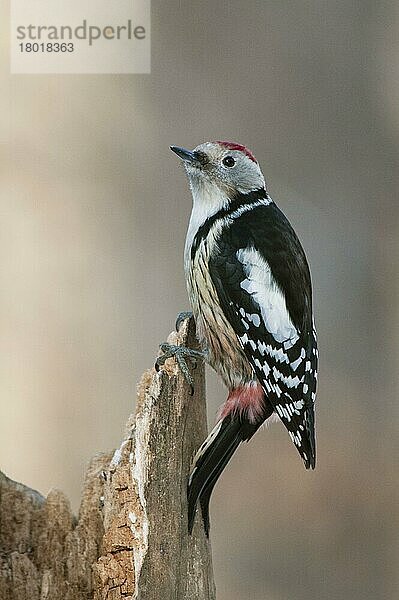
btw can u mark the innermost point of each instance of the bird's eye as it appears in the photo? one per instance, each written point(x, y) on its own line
point(228, 161)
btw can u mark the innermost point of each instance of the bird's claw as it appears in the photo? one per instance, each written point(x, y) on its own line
point(181, 354)
point(182, 316)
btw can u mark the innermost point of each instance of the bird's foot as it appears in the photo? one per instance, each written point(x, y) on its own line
point(182, 316)
point(181, 354)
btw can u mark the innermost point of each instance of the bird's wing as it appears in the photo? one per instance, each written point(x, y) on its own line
point(263, 282)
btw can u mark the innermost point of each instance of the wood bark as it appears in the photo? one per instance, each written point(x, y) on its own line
point(130, 538)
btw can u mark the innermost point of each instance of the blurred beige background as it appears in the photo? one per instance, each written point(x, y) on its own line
point(94, 210)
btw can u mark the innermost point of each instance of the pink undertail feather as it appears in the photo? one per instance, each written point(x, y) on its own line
point(245, 401)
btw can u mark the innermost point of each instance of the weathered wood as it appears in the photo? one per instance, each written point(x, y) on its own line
point(130, 539)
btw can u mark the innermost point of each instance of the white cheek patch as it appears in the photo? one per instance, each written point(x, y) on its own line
point(260, 284)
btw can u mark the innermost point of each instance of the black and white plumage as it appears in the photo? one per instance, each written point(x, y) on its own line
point(250, 288)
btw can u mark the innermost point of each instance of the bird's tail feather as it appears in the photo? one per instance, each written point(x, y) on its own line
point(211, 459)
point(208, 489)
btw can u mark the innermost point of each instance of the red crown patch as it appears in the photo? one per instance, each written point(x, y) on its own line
point(240, 147)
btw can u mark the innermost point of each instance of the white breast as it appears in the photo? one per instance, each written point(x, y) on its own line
point(207, 201)
point(214, 332)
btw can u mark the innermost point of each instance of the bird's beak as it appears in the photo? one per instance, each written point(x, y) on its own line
point(186, 155)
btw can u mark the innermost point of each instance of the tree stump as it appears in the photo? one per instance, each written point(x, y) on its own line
point(130, 539)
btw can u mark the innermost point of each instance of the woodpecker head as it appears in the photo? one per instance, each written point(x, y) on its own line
point(221, 169)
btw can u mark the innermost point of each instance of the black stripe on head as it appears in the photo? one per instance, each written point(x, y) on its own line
point(236, 201)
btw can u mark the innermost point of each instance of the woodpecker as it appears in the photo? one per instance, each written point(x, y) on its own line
point(250, 290)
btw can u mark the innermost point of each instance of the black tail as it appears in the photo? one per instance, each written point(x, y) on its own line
point(210, 461)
